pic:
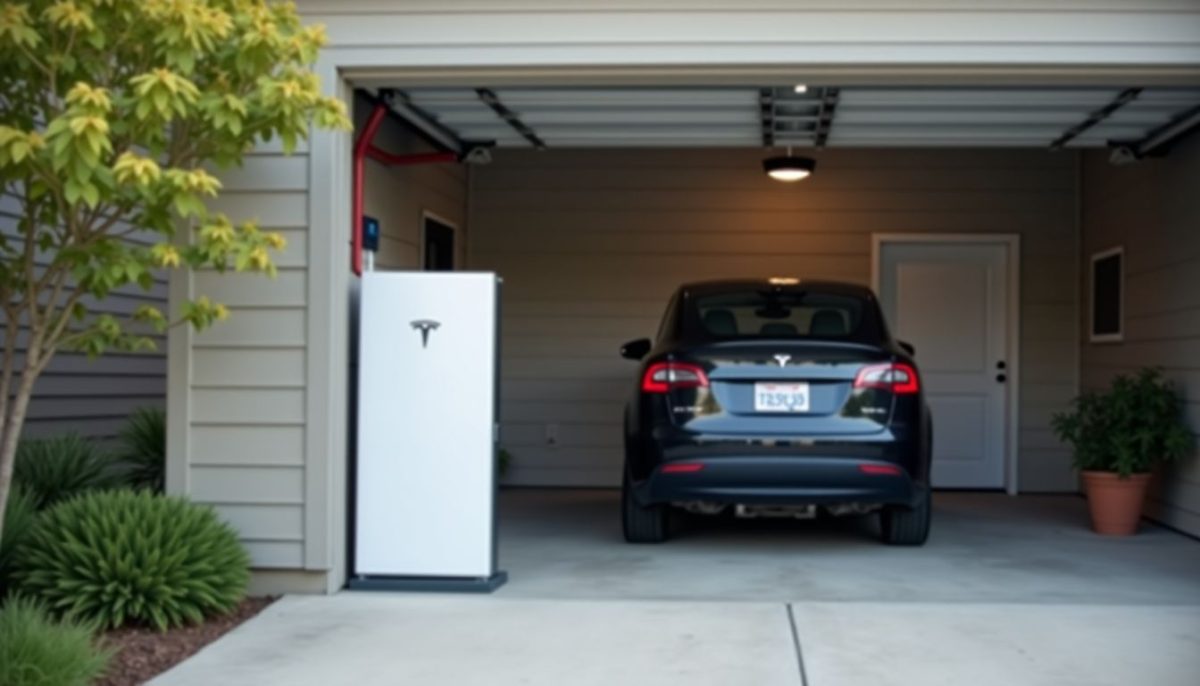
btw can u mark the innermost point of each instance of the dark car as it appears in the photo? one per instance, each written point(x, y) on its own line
point(776, 397)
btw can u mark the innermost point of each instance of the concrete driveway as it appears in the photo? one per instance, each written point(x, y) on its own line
point(1008, 591)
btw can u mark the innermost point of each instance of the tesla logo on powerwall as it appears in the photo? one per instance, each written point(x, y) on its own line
point(782, 359)
point(425, 326)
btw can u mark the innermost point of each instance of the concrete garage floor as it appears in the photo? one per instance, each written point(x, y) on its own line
point(1008, 591)
point(983, 547)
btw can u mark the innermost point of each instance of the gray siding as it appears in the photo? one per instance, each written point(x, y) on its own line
point(94, 397)
point(591, 244)
point(1152, 208)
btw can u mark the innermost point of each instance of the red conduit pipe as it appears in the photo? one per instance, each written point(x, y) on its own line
point(360, 152)
point(363, 149)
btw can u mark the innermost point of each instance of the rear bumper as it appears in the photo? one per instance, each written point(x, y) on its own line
point(781, 480)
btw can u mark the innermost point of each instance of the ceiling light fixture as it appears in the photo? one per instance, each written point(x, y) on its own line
point(801, 88)
point(789, 168)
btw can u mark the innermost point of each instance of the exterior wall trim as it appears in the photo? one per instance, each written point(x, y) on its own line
point(328, 332)
point(1013, 243)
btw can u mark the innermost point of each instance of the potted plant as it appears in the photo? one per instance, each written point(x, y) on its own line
point(1119, 435)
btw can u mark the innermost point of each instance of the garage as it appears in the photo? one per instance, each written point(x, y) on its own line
point(600, 202)
point(968, 181)
point(959, 206)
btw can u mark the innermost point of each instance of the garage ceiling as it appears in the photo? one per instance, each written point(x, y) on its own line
point(845, 117)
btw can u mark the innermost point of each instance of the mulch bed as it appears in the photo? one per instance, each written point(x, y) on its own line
point(144, 653)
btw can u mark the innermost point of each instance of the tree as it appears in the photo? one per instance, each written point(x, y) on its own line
point(113, 114)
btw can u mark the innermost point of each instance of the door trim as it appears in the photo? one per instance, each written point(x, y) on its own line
point(1012, 242)
point(426, 215)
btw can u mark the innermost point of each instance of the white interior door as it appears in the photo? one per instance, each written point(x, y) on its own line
point(950, 300)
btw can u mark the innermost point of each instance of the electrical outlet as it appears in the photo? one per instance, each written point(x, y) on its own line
point(552, 434)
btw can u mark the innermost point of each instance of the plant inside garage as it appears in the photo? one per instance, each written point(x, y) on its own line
point(1119, 436)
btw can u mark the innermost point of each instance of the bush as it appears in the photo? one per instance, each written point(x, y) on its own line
point(1128, 429)
point(133, 557)
point(143, 452)
point(19, 514)
point(36, 650)
point(54, 469)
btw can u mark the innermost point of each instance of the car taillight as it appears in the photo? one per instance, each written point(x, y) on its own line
point(661, 377)
point(898, 378)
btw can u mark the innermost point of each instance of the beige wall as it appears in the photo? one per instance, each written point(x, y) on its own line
point(239, 393)
point(1153, 210)
point(591, 244)
point(398, 196)
point(236, 392)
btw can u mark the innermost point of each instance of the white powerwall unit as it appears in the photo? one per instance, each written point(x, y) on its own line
point(425, 481)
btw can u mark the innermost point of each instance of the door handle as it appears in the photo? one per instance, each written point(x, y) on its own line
point(1001, 378)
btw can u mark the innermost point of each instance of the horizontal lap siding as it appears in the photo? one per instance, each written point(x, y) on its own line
point(1152, 209)
point(94, 397)
point(592, 243)
point(246, 388)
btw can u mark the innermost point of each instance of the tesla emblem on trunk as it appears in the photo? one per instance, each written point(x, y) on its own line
point(425, 326)
point(782, 359)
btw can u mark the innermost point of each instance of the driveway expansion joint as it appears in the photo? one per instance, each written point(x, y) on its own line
point(791, 615)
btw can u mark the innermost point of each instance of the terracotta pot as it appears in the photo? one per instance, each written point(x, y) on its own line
point(1115, 503)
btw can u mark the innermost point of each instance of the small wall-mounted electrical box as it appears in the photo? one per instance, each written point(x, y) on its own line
point(370, 234)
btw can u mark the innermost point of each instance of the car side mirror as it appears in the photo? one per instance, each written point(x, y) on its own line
point(636, 350)
point(908, 347)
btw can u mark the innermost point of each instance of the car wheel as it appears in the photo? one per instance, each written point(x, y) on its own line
point(641, 524)
point(906, 525)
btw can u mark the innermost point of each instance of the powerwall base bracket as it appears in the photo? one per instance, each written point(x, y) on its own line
point(429, 584)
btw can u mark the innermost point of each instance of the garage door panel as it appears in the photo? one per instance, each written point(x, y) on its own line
point(925, 160)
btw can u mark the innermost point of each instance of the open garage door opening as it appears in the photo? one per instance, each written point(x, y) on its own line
point(959, 207)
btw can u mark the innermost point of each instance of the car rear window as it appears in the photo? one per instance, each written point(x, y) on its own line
point(776, 313)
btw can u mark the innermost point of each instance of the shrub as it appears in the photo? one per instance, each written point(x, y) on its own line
point(19, 514)
point(54, 469)
point(36, 650)
point(133, 557)
point(143, 452)
point(1128, 429)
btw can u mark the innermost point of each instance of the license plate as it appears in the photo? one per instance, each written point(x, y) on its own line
point(781, 397)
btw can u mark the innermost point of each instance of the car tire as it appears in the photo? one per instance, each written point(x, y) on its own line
point(906, 525)
point(641, 524)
